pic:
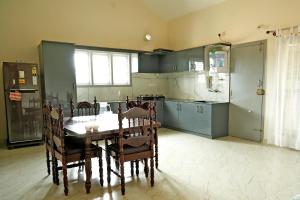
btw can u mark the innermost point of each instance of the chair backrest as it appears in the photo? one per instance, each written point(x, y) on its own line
point(46, 122)
point(84, 108)
point(130, 104)
point(141, 104)
point(140, 127)
point(57, 131)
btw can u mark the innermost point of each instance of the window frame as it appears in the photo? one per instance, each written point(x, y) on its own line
point(110, 53)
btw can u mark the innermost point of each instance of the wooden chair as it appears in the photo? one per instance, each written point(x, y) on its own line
point(84, 108)
point(137, 145)
point(145, 105)
point(68, 152)
point(46, 134)
point(131, 104)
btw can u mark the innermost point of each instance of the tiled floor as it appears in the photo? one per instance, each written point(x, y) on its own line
point(191, 167)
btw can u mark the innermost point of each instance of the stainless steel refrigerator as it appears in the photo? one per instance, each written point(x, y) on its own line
point(23, 103)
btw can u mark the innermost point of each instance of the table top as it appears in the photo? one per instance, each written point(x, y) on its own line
point(98, 126)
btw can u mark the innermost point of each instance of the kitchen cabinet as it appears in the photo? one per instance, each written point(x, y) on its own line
point(207, 119)
point(171, 113)
point(182, 61)
point(58, 74)
point(160, 110)
point(179, 61)
point(168, 62)
point(114, 106)
point(148, 63)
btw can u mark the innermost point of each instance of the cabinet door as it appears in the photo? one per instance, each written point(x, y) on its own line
point(182, 61)
point(148, 63)
point(196, 53)
point(202, 113)
point(187, 116)
point(160, 111)
point(171, 114)
point(168, 62)
point(58, 74)
point(114, 106)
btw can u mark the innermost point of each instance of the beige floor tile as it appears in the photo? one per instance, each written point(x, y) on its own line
point(190, 167)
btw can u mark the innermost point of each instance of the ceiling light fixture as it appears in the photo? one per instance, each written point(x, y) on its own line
point(148, 37)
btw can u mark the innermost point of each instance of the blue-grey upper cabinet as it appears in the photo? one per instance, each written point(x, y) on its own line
point(58, 73)
point(148, 63)
point(179, 61)
point(168, 62)
point(182, 61)
point(195, 54)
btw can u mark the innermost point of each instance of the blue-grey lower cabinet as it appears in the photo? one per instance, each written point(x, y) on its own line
point(171, 114)
point(207, 119)
point(114, 105)
point(160, 111)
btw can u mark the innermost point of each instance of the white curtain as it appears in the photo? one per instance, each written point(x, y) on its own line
point(282, 111)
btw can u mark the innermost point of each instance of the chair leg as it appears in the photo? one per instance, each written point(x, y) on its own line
point(108, 164)
point(117, 164)
point(53, 170)
point(137, 167)
point(146, 169)
point(122, 176)
point(81, 165)
point(152, 171)
point(132, 168)
point(48, 161)
point(100, 166)
point(156, 148)
point(64, 168)
point(56, 171)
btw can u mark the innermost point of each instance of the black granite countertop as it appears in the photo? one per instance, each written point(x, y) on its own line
point(195, 101)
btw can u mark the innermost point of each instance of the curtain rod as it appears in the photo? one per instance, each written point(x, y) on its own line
point(274, 32)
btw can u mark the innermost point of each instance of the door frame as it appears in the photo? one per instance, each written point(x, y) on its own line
point(264, 51)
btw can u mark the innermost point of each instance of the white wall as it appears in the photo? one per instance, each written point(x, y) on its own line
point(238, 18)
point(101, 23)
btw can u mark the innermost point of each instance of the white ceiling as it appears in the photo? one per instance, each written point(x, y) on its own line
point(171, 9)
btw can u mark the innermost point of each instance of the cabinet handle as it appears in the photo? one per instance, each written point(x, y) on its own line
point(180, 107)
point(199, 109)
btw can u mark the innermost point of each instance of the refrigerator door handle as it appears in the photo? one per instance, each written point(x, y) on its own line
point(24, 90)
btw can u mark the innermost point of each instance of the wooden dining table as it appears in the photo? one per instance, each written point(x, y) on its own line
point(95, 128)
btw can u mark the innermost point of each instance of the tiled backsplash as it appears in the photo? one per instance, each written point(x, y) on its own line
point(185, 85)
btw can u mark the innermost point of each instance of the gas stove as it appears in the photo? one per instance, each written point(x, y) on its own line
point(150, 97)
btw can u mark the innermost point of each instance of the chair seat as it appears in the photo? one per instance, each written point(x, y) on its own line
point(76, 145)
point(128, 149)
point(74, 141)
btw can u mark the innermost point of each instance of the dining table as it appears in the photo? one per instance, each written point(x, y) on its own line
point(99, 127)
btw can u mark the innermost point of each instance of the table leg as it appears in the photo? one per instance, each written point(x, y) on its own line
point(156, 147)
point(88, 168)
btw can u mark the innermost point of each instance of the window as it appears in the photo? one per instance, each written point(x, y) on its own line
point(104, 68)
point(82, 63)
point(134, 63)
point(101, 69)
point(121, 69)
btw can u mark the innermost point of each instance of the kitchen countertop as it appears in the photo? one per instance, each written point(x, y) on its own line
point(178, 100)
point(195, 101)
point(113, 101)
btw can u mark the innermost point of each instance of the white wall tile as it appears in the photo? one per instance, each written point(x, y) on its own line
point(172, 85)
